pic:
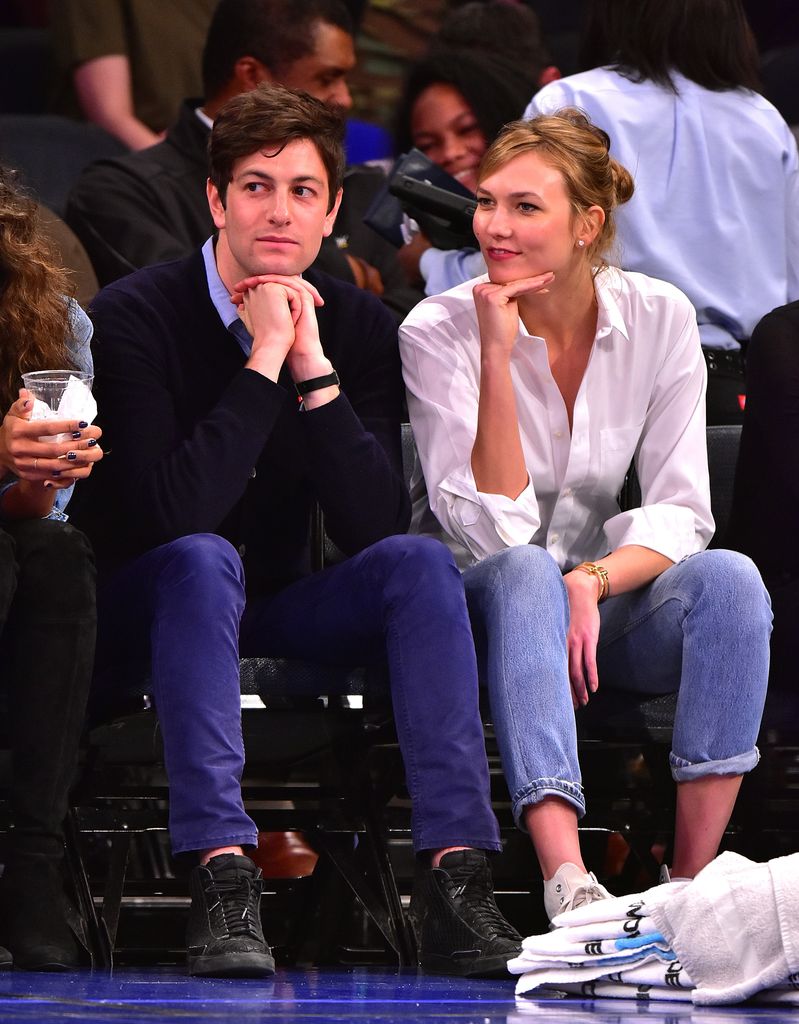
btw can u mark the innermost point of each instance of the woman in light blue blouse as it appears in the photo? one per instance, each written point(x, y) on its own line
point(47, 612)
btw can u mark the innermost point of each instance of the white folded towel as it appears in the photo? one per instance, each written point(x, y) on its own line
point(735, 927)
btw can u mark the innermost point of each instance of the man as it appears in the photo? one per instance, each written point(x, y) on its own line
point(217, 465)
point(145, 207)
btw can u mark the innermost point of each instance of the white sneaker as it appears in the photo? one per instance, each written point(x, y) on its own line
point(570, 888)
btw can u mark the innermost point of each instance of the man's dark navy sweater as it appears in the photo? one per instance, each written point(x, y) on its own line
point(200, 444)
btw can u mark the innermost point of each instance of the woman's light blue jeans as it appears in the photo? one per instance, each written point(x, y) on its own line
point(701, 628)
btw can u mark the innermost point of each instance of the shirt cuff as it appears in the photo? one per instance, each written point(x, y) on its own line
point(668, 529)
point(487, 523)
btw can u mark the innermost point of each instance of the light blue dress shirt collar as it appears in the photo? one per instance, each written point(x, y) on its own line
point(220, 297)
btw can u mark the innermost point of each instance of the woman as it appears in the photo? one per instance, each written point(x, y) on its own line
point(47, 614)
point(454, 103)
point(530, 392)
point(716, 210)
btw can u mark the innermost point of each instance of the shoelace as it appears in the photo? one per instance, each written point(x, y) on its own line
point(583, 895)
point(476, 893)
point(238, 904)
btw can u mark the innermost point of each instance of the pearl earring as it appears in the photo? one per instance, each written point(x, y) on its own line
point(581, 242)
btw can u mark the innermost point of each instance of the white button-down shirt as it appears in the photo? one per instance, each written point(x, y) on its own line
point(642, 396)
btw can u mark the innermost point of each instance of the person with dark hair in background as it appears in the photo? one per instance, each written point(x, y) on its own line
point(530, 392)
point(47, 600)
point(716, 205)
point(509, 29)
point(148, 207)
point(453, 105)
point(200, 364)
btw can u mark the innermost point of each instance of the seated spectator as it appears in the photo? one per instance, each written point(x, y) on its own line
point(47, 603)
point(530, 392)
point(148, 207)
point(765, 507)
point(716, 205)
point(453, 105)
point(127, 64)
point(216, 471)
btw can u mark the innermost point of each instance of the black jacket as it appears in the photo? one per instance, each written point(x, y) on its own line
point(201, 444)
point(150, 206)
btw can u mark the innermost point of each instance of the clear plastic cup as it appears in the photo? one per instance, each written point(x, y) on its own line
point(48, 386)
point(60, 395)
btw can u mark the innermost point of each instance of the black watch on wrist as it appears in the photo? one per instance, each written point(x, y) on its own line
point(315, 383)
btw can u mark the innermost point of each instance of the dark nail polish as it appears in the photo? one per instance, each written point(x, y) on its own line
point(75, 435)
point(83, 424)
point(72, 456)
point(47, 485)
point(91, 442)
point(56, 472)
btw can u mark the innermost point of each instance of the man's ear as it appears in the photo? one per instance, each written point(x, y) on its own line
point(330, 218)
point(249, 72)
point(215, 204)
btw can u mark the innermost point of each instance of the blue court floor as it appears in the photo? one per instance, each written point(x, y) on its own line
point(313, 996)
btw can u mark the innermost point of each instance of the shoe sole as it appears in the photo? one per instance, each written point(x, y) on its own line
point(232, 965)
point(43, 966)
point(471, 967)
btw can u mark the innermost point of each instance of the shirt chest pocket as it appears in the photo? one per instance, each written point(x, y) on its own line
point(616, 449)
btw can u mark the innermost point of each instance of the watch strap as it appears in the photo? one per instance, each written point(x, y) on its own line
point(315, 383)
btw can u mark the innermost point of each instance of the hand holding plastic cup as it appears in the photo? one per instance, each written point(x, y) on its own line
point(60, 395)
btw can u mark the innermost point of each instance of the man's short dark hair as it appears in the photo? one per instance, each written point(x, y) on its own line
point(267, 119)
point(275, 32)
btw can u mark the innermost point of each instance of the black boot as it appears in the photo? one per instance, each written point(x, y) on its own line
point(34, 914)
point(224, 937)
point(47, 655)
point(459, 927)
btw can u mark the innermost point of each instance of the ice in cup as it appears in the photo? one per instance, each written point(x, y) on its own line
point(60, 395)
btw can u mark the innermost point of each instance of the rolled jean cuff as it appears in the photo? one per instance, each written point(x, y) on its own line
point(739, 764)
point(534, 792)
point(193, 846)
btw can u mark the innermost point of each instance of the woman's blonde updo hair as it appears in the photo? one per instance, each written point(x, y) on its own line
point(568, 141)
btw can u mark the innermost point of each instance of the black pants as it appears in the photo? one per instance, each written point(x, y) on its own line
point(726, 386)
point(48, 625)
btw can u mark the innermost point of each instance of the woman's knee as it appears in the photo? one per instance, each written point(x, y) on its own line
point(56, 562)
point(730, 583)
point(518, 574)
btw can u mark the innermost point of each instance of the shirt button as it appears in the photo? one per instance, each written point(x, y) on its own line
point(567, 492)
point(554, 538)
point(252, 473)
point(242, 550)
point(558, 434)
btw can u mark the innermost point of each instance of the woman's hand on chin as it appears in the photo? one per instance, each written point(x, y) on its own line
point(498, 310)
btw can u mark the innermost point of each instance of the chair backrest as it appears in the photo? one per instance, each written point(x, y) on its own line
point(49, 152)
point(723, 441)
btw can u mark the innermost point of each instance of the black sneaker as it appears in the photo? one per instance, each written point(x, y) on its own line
point(224, 937)
point(458, 924)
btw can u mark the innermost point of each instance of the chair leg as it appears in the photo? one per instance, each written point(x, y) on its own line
point(100, 944)
point(115, 883)
point(384, 906)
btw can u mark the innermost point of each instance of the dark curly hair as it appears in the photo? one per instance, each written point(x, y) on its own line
point(496, 89)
